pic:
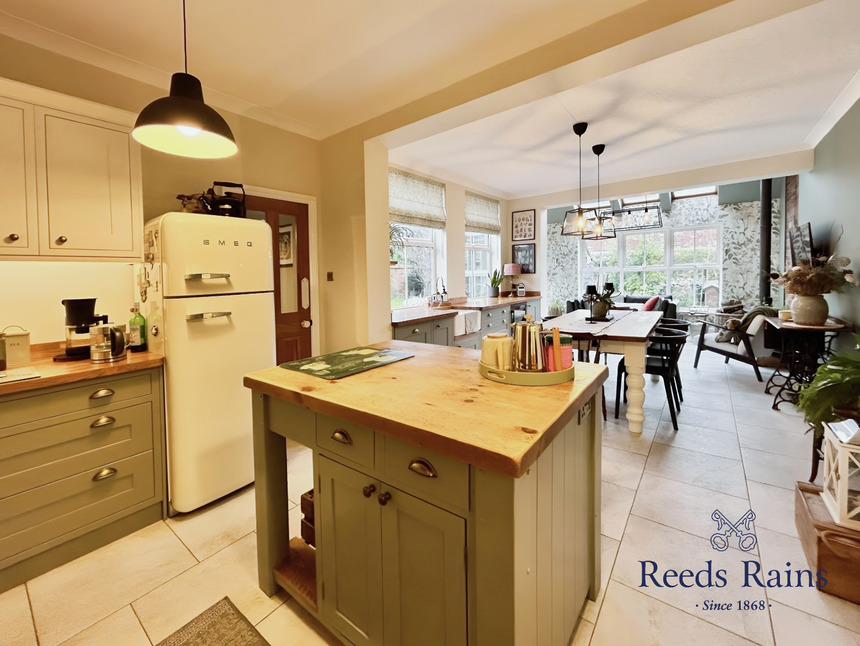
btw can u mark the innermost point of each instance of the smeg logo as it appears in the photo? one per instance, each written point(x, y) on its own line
point(225, 243)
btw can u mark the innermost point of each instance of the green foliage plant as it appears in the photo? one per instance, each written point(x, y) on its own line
point(496, 278)
point(834, 390)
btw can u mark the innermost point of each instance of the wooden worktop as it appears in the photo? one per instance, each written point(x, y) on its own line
point(439, 401)
point(489, 303)
point(413, 315)
point(58, 373)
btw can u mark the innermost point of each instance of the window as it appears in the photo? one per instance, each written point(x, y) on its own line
point(482, 253)
point(413, 278)
point(685, 263)
point(694, 192)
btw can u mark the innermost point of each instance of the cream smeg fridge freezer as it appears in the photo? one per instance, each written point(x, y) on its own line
point(206, 287)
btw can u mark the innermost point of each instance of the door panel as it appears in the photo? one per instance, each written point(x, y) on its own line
point(290, 236)
point(424, 573)
point(350, 549)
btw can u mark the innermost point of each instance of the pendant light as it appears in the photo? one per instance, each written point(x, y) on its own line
point(574, 220)
point(603, 228)
point(182, 124)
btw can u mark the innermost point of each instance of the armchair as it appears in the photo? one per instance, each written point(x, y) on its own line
point(750, 346)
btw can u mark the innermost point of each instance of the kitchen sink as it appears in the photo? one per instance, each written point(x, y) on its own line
point(467, 322)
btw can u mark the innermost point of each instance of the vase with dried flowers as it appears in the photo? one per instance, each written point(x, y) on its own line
point(808, 280)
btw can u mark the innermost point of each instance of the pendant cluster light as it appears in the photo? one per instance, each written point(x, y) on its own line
point(574, 223)
point(181, 123)
point(603, 226)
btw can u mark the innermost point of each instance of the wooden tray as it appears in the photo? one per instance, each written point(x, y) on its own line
point(526, 378)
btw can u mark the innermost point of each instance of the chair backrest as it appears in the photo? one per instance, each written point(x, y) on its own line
point(675, 323)
point(667, 343)
point(574, 305)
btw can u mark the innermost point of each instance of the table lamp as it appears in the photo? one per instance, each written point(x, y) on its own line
point(591, 293)
point(512, 269)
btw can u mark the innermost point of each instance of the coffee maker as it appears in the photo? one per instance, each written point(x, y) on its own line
point(80, 314)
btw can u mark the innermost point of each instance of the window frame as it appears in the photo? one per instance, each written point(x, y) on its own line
point(436, 242)
point(493, 246)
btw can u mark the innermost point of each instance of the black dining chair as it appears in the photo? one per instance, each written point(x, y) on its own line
point(675, 324)
point(667, 344)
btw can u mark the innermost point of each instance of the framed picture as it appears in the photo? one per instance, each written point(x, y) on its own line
point(801, 243)
point(523, 225)
point(524, 256)
point(287, 245)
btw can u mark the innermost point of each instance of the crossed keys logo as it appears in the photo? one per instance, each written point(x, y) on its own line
point(725, 528)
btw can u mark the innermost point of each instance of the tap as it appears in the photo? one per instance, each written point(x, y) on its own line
point(437, 285)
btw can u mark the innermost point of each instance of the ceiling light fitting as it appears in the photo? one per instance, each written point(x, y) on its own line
point(181, 123)
point(575, 220)
point(601, 226)
point(630, 218)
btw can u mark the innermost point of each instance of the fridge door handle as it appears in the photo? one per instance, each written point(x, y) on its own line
point(204, 276)
point(201, 316)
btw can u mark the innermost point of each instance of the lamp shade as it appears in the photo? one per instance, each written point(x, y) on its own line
point(512, 269)
point(182, 124)
point(591, 290)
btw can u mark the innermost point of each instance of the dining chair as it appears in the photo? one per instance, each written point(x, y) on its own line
point(675, 324)
point(668, 343)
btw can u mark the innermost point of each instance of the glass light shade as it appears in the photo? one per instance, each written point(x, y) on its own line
point(512, 269)
point(182, 124)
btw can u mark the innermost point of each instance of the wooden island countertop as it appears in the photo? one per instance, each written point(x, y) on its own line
point(439, 401)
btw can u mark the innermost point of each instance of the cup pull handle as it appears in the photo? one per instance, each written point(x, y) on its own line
point(104, 474)
point(423, 468)
point(342, 437)
point(101, 393)
point(101, 422)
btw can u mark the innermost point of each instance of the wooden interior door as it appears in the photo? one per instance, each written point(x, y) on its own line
point(290, 242)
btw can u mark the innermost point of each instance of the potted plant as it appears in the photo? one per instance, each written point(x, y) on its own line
point(834, 392)
point(496, 279)
point(808, 280)
point(397, 236)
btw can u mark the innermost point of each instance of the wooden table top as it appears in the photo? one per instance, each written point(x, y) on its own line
point(626, 325)
point(439, 401)
point(57, 373)
point(831, 325)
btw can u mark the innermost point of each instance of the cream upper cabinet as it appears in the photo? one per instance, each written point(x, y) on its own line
point(70, 178)
point(88, 187)
point(18, 228)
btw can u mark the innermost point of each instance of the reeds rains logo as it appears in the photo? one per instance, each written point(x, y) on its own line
point(750, 573)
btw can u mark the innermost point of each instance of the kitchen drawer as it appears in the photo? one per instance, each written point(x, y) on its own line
point(495, 320)
point(346, 439)
point(93, 395)
point(415, 332)
point(38, 515)
point(37, 457)
point(427, 474)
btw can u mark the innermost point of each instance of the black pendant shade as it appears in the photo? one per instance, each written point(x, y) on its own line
point(182, 124)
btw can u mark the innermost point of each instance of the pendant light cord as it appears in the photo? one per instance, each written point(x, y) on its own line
point(184, 37)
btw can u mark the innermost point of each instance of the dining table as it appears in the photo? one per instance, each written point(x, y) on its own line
point(620, 332)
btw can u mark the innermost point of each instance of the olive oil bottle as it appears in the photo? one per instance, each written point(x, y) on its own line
point(136, 330)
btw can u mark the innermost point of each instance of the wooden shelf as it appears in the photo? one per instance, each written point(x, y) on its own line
point(297, 574)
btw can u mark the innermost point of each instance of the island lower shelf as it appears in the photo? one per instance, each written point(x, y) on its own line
point(417, 547)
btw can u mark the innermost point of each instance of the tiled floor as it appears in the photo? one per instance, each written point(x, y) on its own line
point(732, 453)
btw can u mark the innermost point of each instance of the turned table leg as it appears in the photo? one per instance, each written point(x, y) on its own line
point(634, 360)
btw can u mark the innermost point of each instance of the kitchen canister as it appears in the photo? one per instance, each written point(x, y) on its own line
point(566, 347)
point(14, 347)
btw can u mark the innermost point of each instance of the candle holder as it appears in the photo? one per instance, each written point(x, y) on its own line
point(591, 295)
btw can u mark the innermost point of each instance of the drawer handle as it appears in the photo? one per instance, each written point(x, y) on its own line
point(104, 474)
point(423, 468)
point(342, 437)
point(101, 393)
point(416, 331)
point(384, 498)
point(368, 490)
point(205, 316)
point(101, 422)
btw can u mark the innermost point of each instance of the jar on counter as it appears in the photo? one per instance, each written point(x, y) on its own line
point(566, 343)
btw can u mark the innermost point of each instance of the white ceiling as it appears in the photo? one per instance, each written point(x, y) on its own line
point(317, 68)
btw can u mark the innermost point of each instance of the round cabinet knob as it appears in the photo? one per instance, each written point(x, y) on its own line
point(14, 237)
point(384, 498)
point(62, 240)
point(368, 490)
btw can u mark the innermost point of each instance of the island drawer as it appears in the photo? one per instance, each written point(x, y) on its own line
point(38, 515)
point(345, 439)
point(68, 446)
point(432, 475)
point(92, 396)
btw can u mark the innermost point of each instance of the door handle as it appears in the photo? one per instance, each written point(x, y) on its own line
point(423, 468)
point(306, 323)
point(104, 474)
point(206, 276)
point(206, 315)
point(101, 422)
point(368, 490)
point(101, 393)
point(342, 437)
point(384, 498)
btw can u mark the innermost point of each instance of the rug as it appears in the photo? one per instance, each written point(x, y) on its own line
point(220, 625)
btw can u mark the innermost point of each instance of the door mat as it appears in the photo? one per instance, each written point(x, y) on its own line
point(347, 362)
point(220, 625)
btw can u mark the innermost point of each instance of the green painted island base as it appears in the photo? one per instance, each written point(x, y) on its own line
point(468, 556)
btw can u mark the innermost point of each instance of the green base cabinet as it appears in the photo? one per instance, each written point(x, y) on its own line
point(437, 332)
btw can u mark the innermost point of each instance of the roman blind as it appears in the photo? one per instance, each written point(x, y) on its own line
point(415, 200)
point(482, 214)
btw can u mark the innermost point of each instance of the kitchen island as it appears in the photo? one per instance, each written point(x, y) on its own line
point(448, 509)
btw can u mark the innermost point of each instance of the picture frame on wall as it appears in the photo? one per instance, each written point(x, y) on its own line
point(523, 225)
point(524, 256)
point(286, 246)
point(800, 239)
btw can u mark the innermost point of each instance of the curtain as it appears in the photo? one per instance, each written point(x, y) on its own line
point(415, 200)
point(482, 214)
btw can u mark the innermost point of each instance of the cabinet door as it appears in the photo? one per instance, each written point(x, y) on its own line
point(424, 573)
point(442, 332)
point(89, 174)
point(350, 541)
point(418, 333)
point(18, 233)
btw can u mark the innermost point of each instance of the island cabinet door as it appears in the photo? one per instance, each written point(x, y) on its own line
point(350, 540)
point(424, 573)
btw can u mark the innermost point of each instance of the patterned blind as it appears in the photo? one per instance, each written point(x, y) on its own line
point(482, 214)
point(415, 200)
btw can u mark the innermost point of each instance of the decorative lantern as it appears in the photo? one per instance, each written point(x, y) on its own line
point(841, 493)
